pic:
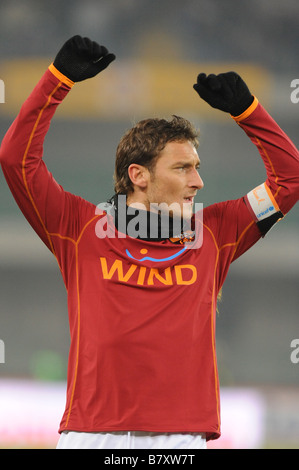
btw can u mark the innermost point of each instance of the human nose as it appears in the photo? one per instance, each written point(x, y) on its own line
point(196, 180)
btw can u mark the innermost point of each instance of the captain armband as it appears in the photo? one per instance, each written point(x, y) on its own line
point(263, 207)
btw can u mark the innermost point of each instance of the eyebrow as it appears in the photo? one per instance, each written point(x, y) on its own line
point(186, 164)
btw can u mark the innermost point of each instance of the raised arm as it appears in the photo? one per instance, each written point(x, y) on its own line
point(47, 207)
point(240, 223)
point(273, 198)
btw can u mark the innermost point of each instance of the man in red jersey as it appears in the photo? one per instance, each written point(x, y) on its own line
point(142, 369)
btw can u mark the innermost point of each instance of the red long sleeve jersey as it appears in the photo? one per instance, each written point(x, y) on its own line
point(142, 353)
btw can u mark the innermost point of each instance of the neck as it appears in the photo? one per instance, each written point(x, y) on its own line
point(137, 222)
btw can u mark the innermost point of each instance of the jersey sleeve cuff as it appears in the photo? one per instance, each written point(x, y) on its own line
point(247, 111)
point(60, 76)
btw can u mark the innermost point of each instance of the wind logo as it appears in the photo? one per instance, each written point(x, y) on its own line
point(181, 274)
point(2, 92)
point(157, 260)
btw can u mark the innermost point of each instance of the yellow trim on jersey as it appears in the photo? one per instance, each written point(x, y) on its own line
point(247, 112)
point(60, 76)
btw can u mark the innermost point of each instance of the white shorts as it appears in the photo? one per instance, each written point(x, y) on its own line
point(131, 440)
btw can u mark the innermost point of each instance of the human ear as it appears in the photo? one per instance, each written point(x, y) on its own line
point(139, 175)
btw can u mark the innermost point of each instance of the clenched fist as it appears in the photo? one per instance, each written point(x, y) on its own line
point(81, 58)
point(226, 91)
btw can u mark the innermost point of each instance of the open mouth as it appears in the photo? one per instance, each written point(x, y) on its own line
point(189, 200)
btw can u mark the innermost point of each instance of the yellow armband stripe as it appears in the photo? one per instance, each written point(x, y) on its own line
point(60, 76)
point(247, 111)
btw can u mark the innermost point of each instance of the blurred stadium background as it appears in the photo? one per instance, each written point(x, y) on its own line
point(160, 48)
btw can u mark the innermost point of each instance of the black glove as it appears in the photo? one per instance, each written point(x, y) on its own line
point(80, 58)
point(226, 91)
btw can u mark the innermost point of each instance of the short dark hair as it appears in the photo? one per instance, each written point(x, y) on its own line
point(143, 143)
